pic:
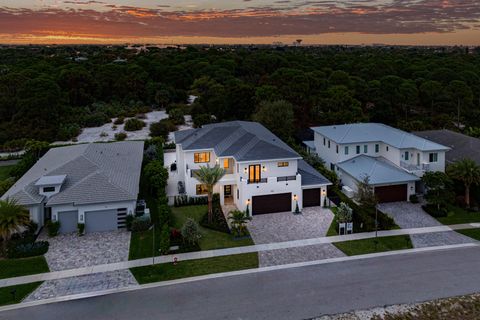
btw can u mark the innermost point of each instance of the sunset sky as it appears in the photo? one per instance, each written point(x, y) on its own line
point(422, 22)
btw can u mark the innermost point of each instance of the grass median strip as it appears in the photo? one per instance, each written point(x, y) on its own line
point(10, 268)
point(365, 246)
point(472, 233)
point(192, 268)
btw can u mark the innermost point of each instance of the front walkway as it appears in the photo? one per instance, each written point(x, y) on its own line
point(409, 215)
point(286, 226)
point(69, 251)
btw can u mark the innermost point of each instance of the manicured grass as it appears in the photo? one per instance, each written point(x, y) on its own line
point(191, 268)
point(356, 247)
point(472, 233)
point(458, 215)
point(332, 230)
point(211, 239)
point(5, 172)
point(22, 291)
point(22, 267)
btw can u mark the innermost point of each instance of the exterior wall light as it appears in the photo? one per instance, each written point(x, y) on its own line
point(245, 170)
point(264, 168)
point(295, 197)
point(81, 217)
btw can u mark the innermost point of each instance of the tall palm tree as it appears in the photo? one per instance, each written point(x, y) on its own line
point(466, 171)
point(209, 176)
point(13, 217)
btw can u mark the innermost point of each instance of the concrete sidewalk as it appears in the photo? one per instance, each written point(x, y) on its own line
point(226, 252)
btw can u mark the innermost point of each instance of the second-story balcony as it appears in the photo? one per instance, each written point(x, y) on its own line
point(252, 181)
point(418, 170)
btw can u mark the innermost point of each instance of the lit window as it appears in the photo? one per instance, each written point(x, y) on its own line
point(433, 157)
point(226, 163)
point(201, 189)
point(201, 157)
point(282, 164)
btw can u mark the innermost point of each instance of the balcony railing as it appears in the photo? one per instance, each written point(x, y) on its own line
point(252, 181)
point(287, 178)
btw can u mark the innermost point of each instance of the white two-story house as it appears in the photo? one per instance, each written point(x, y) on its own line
point(262, 172)
point(393, 160)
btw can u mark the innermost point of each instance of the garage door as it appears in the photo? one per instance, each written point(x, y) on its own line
point(68, 221)
point(311, 197)
point(392, 193)
point(104, 220)
point(272, 203)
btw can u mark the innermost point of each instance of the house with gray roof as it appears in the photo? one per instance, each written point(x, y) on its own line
point(394, 160)
point(262, 172)
point(96, 184)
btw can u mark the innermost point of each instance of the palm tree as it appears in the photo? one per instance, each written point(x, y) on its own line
point(13, 217)
point(239, 220)
point(466, 171)
point(209, 176)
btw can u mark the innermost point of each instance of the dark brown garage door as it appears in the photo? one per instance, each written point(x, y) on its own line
point(311, 197)
point(272, 203)
point(392, 193)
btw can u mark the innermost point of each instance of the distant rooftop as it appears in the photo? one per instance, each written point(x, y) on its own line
point(310, 176)
point(379, 172)
point(462, 146)
point(242, 140)
point(377, 132)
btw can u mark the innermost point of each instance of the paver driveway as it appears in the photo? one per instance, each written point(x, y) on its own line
point(69, 251)
point(285, 226)
point(409, 215)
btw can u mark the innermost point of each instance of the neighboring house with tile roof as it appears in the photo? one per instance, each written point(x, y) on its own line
point(262, 172)
point(394, 160)
point(96, 184)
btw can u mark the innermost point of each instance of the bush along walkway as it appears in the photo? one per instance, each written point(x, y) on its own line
point(238, 251)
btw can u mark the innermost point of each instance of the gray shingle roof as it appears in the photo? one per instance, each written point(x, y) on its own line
point(95, 173)
point(376, 132)
point(241, 140)
point(462, 146)
point(310, 176)
point(380, 171)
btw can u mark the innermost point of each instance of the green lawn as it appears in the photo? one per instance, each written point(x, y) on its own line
point(6, 296)
point(5, 172)
point(356, 247)
point(20, 267)
point(458, 215)
point(191, 268)
point(332, 230)
point(472, 233)
point(211, 239)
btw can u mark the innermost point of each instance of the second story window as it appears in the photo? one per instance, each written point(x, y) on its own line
point(48, 189)
point(324, 141)
point(377, 148)
point(433, 157)
point(226, 164)
point(201, 157)
point(346, 150)
point(328, 144)
point(407, 156)
point(365, 149)
point(254, 173)
point(282, 164)
point(358, 149)
point(337, 148)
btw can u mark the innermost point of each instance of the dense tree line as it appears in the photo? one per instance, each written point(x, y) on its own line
point(47, 93)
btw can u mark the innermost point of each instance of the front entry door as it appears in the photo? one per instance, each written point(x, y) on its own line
point(227, 194)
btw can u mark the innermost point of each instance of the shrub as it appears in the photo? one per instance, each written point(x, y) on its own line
point(25, 250)
point(128, 222)
point(434, 211)
point(239, 222)
point(176, 116)
point(140, 224)
point(162, 128)
point(119, 120)
point(53, 227)
point(164, 214)
point(134, 124)
point(175, 234)
point(156, 175)
point(191, 232)
point(81, 229)
point(120, 136)
point(219, 223)
point(164, 243)
point(414, 198)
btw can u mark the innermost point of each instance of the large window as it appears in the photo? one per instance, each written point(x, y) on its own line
point(201, 157)
point(254, 173)
point(433, 157)
point(282, 164)
point(358, 149)
point(202, 189)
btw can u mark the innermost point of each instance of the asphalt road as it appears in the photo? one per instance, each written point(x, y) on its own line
point(297, 293)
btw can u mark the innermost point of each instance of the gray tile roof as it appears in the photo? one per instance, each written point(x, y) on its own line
point(310, 176)
point(95, 173)
point(462, 146)
point(377, 132)
point(380, 171)
point(242, 140)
